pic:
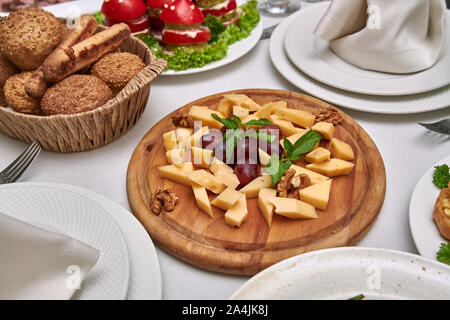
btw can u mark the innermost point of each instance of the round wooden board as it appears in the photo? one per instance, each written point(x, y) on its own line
point(194, 237)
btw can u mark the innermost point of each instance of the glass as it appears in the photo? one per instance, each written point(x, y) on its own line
point(279, 8)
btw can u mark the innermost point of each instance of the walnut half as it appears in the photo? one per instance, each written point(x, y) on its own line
point(290, 184)
point(185, 121)
point(163, 198)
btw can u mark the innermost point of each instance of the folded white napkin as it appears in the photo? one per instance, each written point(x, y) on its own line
point(395, 36)
point(38, 264)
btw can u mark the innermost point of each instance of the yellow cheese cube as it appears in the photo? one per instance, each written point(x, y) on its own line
point(217, 165)
point(317, 195)
point(201, 157)
point(252, 189)
point(203, 114)
point(264, 204)
point(195, 139)
point(240, 112)
point(265, 111)
point(206, 180)
point(243, 101)
point(177, 174)
point(227, 199)
point(313, 176)
point(201, 197)
point(293, 208)
point(227, 178)
point(332, 168)
point(318, 155)
point(293, 138)
point(287, 128)
point(176, 137)
point(299, 117)
point(264, 157)
point(325, 128)
point(225, 107)
point(275, 105)
point(176, 156)
point(341, 150)
point(237, 213)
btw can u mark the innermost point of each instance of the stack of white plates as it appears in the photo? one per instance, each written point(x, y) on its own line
point(307, 62)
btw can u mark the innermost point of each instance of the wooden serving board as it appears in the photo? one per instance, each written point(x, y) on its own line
point(194, 237)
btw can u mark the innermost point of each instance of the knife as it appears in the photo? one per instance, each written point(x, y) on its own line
point(267, 32)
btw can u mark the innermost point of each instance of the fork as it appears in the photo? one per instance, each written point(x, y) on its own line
point(16, 169)
point(442, 126)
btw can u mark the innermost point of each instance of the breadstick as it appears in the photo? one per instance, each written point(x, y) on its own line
point(36, 84)
point(69, 61)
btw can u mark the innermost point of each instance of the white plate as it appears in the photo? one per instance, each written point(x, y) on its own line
point(424, 231)
point(434, 100)
point(344, 273)
point(80, 218)
point(318, 61)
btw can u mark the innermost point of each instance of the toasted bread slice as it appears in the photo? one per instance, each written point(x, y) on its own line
point(441, 214)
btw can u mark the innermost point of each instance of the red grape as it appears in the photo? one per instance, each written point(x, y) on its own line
point(246, 173)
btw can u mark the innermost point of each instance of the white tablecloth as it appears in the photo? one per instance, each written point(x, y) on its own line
point(408, 151)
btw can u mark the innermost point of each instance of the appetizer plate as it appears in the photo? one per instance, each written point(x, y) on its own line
point(319, 62)
point(424, 231)
point(72, 214)
point(433, 100)
point(192, 236)
point(343, 273)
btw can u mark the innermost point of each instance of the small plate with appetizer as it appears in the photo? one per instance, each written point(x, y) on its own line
point(237, 181)
point(350, 274)
point(193, 36)
point(429, 212)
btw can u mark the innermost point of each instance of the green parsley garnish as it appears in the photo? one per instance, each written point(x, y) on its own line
point(441, 176)
point(444, 253)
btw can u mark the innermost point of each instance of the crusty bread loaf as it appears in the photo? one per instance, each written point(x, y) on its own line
point(441, 214)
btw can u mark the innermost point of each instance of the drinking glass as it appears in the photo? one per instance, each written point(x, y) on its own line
point(278, 8)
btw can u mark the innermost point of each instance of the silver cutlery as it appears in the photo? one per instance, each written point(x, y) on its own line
point(267, 32)
point(442, 126)
point(16, 169)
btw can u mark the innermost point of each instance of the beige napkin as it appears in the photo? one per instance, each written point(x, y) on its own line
point(38, 264)
point(395, 36)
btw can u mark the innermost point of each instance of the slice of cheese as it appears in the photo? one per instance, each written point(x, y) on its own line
point(196, 138)
point(203, 114)
point(176, 156)
point(317, 195)
point(201, 197)
point(275, 105)
point(227, 199)
point(243, 101)
point(177, 137)
point(177, 174)
point(225, 107)
point(299, 117)
point(201, 158)
point(252, 189)
point(265, 111)
point(227, 178)
point(313, 176)
point(293, 138)
point(238, 213)
point(217, 165)
point(240, 112)
point(264, 157)
point(266, 208)
point(287, 128)
point(293, 208)
point(206, 180)
point(341, 150)
point(318, 155)
point(325, 128)
point(332, 168)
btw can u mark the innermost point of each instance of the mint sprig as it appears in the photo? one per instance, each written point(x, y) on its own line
point(444, 253)
point(278, 166)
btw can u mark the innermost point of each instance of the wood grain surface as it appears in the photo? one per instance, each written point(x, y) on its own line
point(194, 237)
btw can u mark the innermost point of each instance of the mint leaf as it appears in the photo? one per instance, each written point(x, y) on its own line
point(277, 168)
point(444, 253)
point(228, 123)
point(259, 122)
point(306, 143)
point(288, 146)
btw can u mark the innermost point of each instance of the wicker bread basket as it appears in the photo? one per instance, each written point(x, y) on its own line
point(93, 129)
